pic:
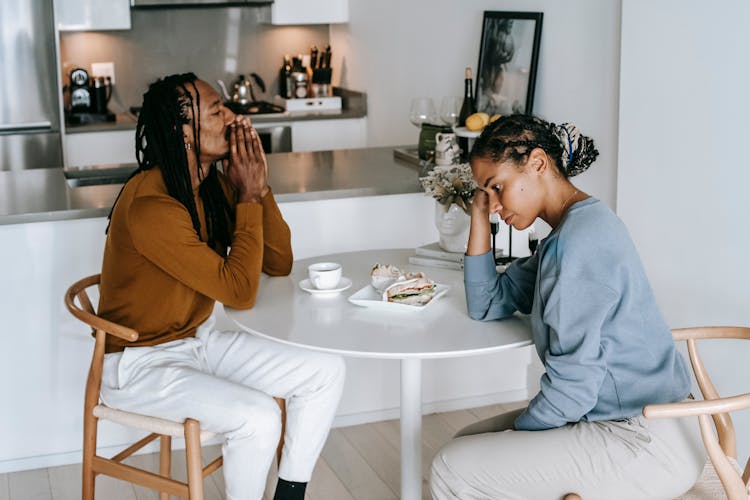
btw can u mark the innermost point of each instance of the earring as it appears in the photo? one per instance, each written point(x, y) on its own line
point(188, 146)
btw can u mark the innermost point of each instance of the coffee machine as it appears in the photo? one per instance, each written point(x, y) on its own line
point(88, 98)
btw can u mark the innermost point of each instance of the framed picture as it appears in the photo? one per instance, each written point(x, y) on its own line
point(508, 57)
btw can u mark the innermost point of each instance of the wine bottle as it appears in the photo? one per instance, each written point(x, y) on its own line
point(285, 78)
point(468, 108)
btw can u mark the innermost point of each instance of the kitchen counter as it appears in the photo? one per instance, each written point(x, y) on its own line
point(37, 195)
point(354, 105)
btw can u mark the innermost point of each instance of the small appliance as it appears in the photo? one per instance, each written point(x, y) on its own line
point(88, 98)
point(242, 101)
point(80, 93)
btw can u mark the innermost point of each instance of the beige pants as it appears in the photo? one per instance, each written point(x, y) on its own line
point(608, 460)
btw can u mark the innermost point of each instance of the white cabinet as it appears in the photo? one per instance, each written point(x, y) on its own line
point(323, 135)
point(99, 148)
point(84, 15)
point(309, 11)
point(118, 146)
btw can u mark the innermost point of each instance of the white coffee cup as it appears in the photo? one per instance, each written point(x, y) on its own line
point(324, 275)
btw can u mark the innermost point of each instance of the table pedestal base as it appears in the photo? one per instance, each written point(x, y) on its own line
point(411, 429)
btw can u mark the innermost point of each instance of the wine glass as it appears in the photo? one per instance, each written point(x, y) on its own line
point(422, 111)
point(450, 108)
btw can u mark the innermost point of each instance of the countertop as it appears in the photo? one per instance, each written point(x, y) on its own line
point(37, 195)
point(354, 105)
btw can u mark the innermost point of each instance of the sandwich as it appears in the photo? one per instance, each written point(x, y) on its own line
point(414, 292)
point(384, 275)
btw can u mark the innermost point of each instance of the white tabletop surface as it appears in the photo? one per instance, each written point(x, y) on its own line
point(286, 313)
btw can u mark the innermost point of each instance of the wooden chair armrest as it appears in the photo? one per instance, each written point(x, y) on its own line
point(694, 408)
point(108, 327)
point(86, 312)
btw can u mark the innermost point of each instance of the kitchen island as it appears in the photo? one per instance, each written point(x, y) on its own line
point(36, 195)
point(335, 201)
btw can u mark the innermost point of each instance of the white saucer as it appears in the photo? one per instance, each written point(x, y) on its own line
point(307, 286)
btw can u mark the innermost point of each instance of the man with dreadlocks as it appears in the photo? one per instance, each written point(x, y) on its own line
point(183, 235)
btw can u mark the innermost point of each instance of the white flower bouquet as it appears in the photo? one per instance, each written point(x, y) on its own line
point(451, 184)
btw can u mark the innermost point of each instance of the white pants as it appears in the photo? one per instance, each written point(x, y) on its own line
point(227, 381)
point(627, 459)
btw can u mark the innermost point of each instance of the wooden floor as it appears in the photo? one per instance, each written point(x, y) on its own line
point(358, 463)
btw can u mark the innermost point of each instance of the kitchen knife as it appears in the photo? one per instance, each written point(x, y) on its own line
point(327, 56)
point(313, 57)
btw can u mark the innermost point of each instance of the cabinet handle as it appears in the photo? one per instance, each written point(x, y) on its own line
point(25, 126)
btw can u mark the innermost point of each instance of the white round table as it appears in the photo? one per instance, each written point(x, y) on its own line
point(285, 313)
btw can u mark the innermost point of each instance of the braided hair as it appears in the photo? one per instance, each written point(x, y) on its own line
point(167, 106)
point(514, 136)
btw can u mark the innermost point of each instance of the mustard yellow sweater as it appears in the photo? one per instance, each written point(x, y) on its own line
point(161, 279)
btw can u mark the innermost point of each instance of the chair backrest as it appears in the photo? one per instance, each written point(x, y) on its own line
point(79, 304)
point(714, 405)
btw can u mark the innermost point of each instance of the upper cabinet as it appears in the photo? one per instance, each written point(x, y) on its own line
point(86, 15)
point(309, 11)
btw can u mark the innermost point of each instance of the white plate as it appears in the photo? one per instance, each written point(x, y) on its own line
point(307, 286)
point(465, 132)
point(370, 297)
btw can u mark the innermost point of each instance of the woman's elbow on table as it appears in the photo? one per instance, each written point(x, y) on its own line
point(489, 313)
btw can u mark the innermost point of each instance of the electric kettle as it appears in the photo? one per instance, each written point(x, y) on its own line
point(243, 92)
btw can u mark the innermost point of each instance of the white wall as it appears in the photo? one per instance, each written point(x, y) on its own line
point(396, 50)
point(683, 168)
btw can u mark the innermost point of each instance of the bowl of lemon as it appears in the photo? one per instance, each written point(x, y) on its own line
point(475, 124)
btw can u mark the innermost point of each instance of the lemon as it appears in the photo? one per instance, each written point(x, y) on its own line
point(485, 118)
point(494, 117)
point(475, 122)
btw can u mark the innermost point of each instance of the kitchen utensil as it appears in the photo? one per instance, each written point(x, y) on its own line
point(446, 148)
point(325, 275)
point(426, 144)
point(242, 90)
point(313, 57)
point(102, 91)
point(450, 107)
point(224, 91)
point(309, 287)
point(422, 110)
point(372, 298)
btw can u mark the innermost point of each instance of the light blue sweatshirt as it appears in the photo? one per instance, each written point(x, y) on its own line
point(605, 346)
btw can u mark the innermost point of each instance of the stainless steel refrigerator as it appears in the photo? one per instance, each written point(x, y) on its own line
point(29, 97)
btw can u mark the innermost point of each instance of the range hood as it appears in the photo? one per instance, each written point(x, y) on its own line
point(136, 4)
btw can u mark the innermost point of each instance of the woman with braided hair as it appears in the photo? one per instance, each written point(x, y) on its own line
point(604, 345)
point(183, 235)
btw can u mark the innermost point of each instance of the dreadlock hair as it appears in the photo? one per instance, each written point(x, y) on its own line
point(167, 106)
point(513, 137)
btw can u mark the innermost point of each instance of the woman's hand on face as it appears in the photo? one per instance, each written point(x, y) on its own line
point(479, 231)
point(480, 207)
point(246, 167)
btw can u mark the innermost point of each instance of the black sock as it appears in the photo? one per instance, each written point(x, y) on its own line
point(289, 490)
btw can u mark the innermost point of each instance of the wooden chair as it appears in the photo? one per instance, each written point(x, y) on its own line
point(722, 474)
point(722, 452)
point(165, 430)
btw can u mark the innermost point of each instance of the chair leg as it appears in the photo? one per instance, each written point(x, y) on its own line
point(89, 450)
point(165, 461)
point(194, 462)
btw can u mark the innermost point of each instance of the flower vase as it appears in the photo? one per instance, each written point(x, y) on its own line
point(453, 227)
